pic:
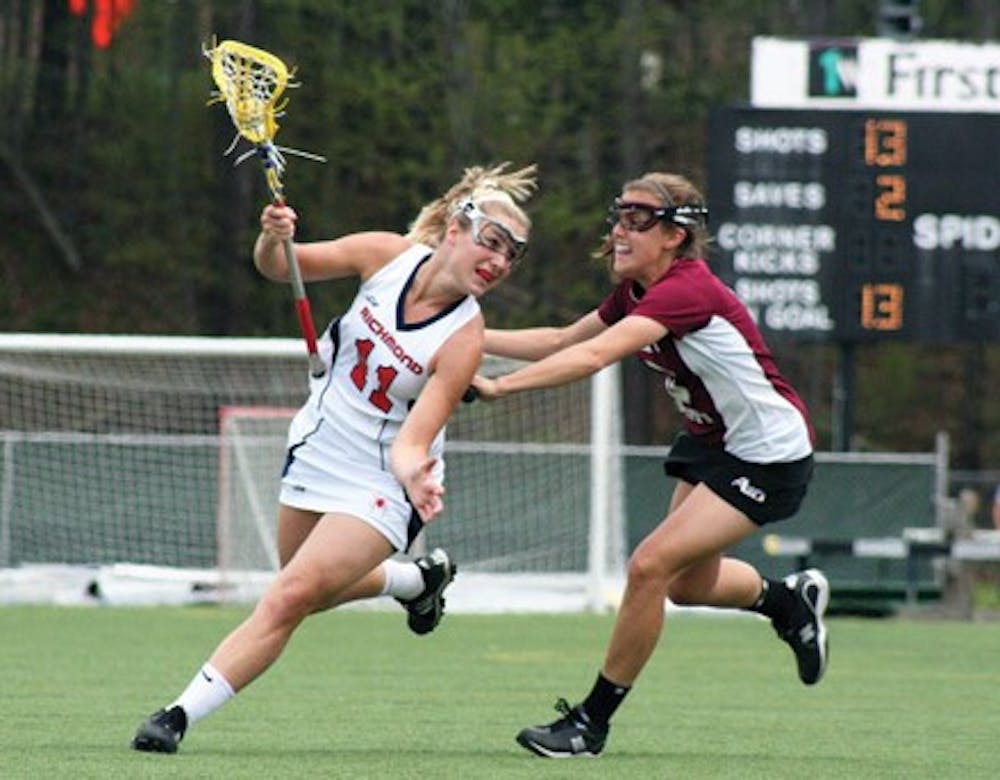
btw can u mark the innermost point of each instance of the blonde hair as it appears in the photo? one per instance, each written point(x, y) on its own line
point(492, 189)
point(672, 189)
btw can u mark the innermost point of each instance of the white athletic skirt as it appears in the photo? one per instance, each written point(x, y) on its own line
point(371, 495)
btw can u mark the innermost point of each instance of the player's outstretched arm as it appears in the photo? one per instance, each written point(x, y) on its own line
point(538, 343)
point(575, 362)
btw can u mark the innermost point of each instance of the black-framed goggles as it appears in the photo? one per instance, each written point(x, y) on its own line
point(640, 217)
point(494, 235)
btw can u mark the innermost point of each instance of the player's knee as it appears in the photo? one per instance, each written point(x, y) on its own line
point(289, 600)
point(648, 570)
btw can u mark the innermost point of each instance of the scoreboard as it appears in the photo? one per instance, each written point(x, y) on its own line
point(859, 225)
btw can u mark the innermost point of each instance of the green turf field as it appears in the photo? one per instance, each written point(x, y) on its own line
point(357, 696)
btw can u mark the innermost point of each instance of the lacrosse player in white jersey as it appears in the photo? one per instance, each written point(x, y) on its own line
point(364, 469)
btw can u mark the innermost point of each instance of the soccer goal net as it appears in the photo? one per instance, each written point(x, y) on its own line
point(146, 469)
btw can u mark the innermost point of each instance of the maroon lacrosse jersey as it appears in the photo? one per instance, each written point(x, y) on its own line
point(716, 367)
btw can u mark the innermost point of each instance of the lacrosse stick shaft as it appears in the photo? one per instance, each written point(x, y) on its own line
point(302, 308)
point(304, 311)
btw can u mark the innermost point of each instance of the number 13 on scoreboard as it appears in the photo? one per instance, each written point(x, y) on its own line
point(882, 306)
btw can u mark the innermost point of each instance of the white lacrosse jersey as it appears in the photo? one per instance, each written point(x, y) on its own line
point(377, 363)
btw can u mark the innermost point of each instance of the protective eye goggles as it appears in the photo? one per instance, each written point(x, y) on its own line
point(494, 235)
point(640, 217)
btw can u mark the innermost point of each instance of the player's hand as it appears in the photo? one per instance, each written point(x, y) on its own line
point(425, 492)
point(486, 389)
point(278, 221)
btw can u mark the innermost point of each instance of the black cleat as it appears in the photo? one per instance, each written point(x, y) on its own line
point(805, 631)
point(573, 735)
point(425, 610)
point(161, 732)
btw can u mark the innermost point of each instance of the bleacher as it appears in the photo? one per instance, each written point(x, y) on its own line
point(936, 564)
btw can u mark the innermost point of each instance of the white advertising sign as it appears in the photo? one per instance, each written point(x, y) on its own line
point(875, 73)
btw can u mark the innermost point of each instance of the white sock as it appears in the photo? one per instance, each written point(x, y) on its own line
point(208, 691)
point(402, 579)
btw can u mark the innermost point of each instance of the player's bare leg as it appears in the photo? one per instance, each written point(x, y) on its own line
point(689, 540)
point(418, 585)
point(698, 529)
point(334, 555)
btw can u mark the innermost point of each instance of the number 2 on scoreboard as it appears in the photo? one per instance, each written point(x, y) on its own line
point(891, 200)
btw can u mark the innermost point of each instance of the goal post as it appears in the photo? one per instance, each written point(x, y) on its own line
point(251, 445)
point(606, 554)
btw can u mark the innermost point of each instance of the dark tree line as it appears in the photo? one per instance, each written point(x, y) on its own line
point(119, 213)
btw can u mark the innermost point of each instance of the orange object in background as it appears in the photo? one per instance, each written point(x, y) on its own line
point(108, 17)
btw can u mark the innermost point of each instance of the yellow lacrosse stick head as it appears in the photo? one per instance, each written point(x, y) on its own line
point(250, 82)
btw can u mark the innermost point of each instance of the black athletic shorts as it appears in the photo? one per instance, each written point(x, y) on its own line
point(764, 492)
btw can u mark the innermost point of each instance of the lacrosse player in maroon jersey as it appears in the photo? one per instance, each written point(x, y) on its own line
point(744, 459)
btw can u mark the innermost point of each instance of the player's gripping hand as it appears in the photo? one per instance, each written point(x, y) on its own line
point(278, 221)
point(485, 389)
